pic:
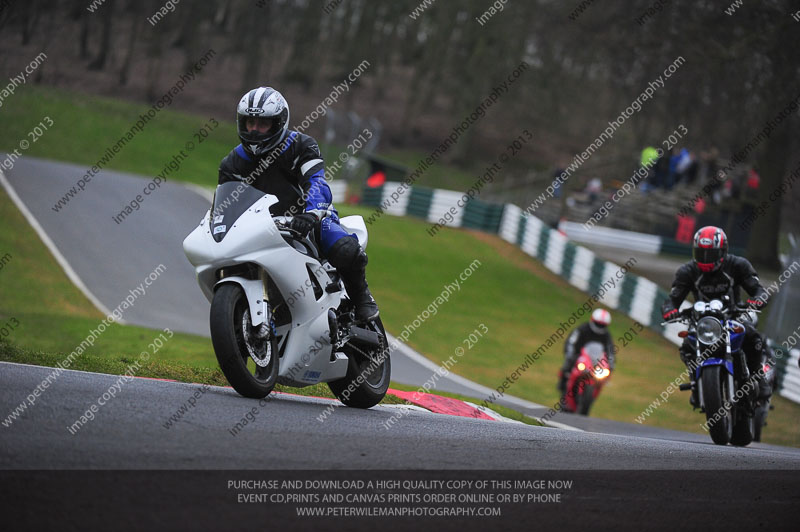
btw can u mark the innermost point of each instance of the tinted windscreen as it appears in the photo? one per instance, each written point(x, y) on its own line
point(231, 200)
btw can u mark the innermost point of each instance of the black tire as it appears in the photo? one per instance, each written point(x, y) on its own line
point(585, 400)
point(575, 393)
point(372, 390)
point(716, 394)
point(759, 421)
point(229, 317)
point(743, 431)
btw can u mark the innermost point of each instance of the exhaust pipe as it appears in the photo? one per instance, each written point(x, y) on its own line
point(365, 336)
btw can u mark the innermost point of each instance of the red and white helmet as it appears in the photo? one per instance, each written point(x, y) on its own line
point(601, 318)
point(710, 248)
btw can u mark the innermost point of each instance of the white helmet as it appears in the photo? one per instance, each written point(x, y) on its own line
point(262, 102)
point(601, 318)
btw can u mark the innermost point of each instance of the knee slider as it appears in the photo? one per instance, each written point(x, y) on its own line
point(347, 253)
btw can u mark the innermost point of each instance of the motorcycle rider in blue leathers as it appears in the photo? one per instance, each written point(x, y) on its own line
point(288, 164)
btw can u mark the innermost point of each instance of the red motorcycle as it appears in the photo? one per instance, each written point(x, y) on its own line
point(587, 378)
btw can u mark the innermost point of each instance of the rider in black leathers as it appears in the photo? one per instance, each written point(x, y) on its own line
point(714, 274)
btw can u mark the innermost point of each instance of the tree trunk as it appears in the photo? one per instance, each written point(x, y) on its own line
point(762, 249)
point(124, 72)
point(776, 159)
point(99, 62)
point(30, 17)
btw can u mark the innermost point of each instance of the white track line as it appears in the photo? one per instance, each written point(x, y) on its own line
point(206, 193)
point(62, 261)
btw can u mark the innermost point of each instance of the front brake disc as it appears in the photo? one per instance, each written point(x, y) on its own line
point(258, 347)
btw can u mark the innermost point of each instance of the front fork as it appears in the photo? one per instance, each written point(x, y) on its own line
point(693, 365)
point(743, 377)
point(267, 325)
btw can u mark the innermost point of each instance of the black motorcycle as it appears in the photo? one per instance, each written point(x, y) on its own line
point(727, 391)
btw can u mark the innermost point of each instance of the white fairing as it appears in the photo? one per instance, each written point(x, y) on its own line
point(355, 224)
point(254, 238)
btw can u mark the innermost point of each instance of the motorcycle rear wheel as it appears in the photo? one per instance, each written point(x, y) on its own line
point(743, 431)
point(230, 327)
point(375, 382)
point(716, 394)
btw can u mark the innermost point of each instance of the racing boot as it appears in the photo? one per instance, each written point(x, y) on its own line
point(763, 379)
point(694, 400)
point(763, 387)
point(688, 357)
point(769, 362)
point(366, 308)
point(349, 259)
point(562, 382)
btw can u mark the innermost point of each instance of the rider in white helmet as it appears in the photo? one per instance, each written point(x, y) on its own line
point(288, 165)
point(594, 331)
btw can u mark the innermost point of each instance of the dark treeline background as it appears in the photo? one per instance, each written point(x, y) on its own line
point(427, 72)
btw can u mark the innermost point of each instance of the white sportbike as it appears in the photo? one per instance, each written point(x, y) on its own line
point(280, 312)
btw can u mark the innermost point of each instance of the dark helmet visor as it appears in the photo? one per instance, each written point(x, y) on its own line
point(707, 255)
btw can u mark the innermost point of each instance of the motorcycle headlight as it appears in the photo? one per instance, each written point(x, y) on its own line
point(709, 330)
point(602, 373)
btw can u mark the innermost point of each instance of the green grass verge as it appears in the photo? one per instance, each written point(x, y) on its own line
point(84, 126)
point(115, 364)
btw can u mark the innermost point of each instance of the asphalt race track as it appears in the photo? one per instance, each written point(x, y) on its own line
point(127, 427)
point(129, 432)
point(658, 477)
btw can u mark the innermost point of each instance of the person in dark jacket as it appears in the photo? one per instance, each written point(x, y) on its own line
point(594, 331)
point(288, 164)
point(714, 274)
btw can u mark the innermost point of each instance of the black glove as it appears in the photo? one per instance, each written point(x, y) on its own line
point(755, 304)
point(303, 223)
point(670, 314)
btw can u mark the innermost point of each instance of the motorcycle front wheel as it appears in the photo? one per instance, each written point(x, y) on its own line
point(717, 404)
point(585, 399)
point(249, 362)
point(369, 365)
